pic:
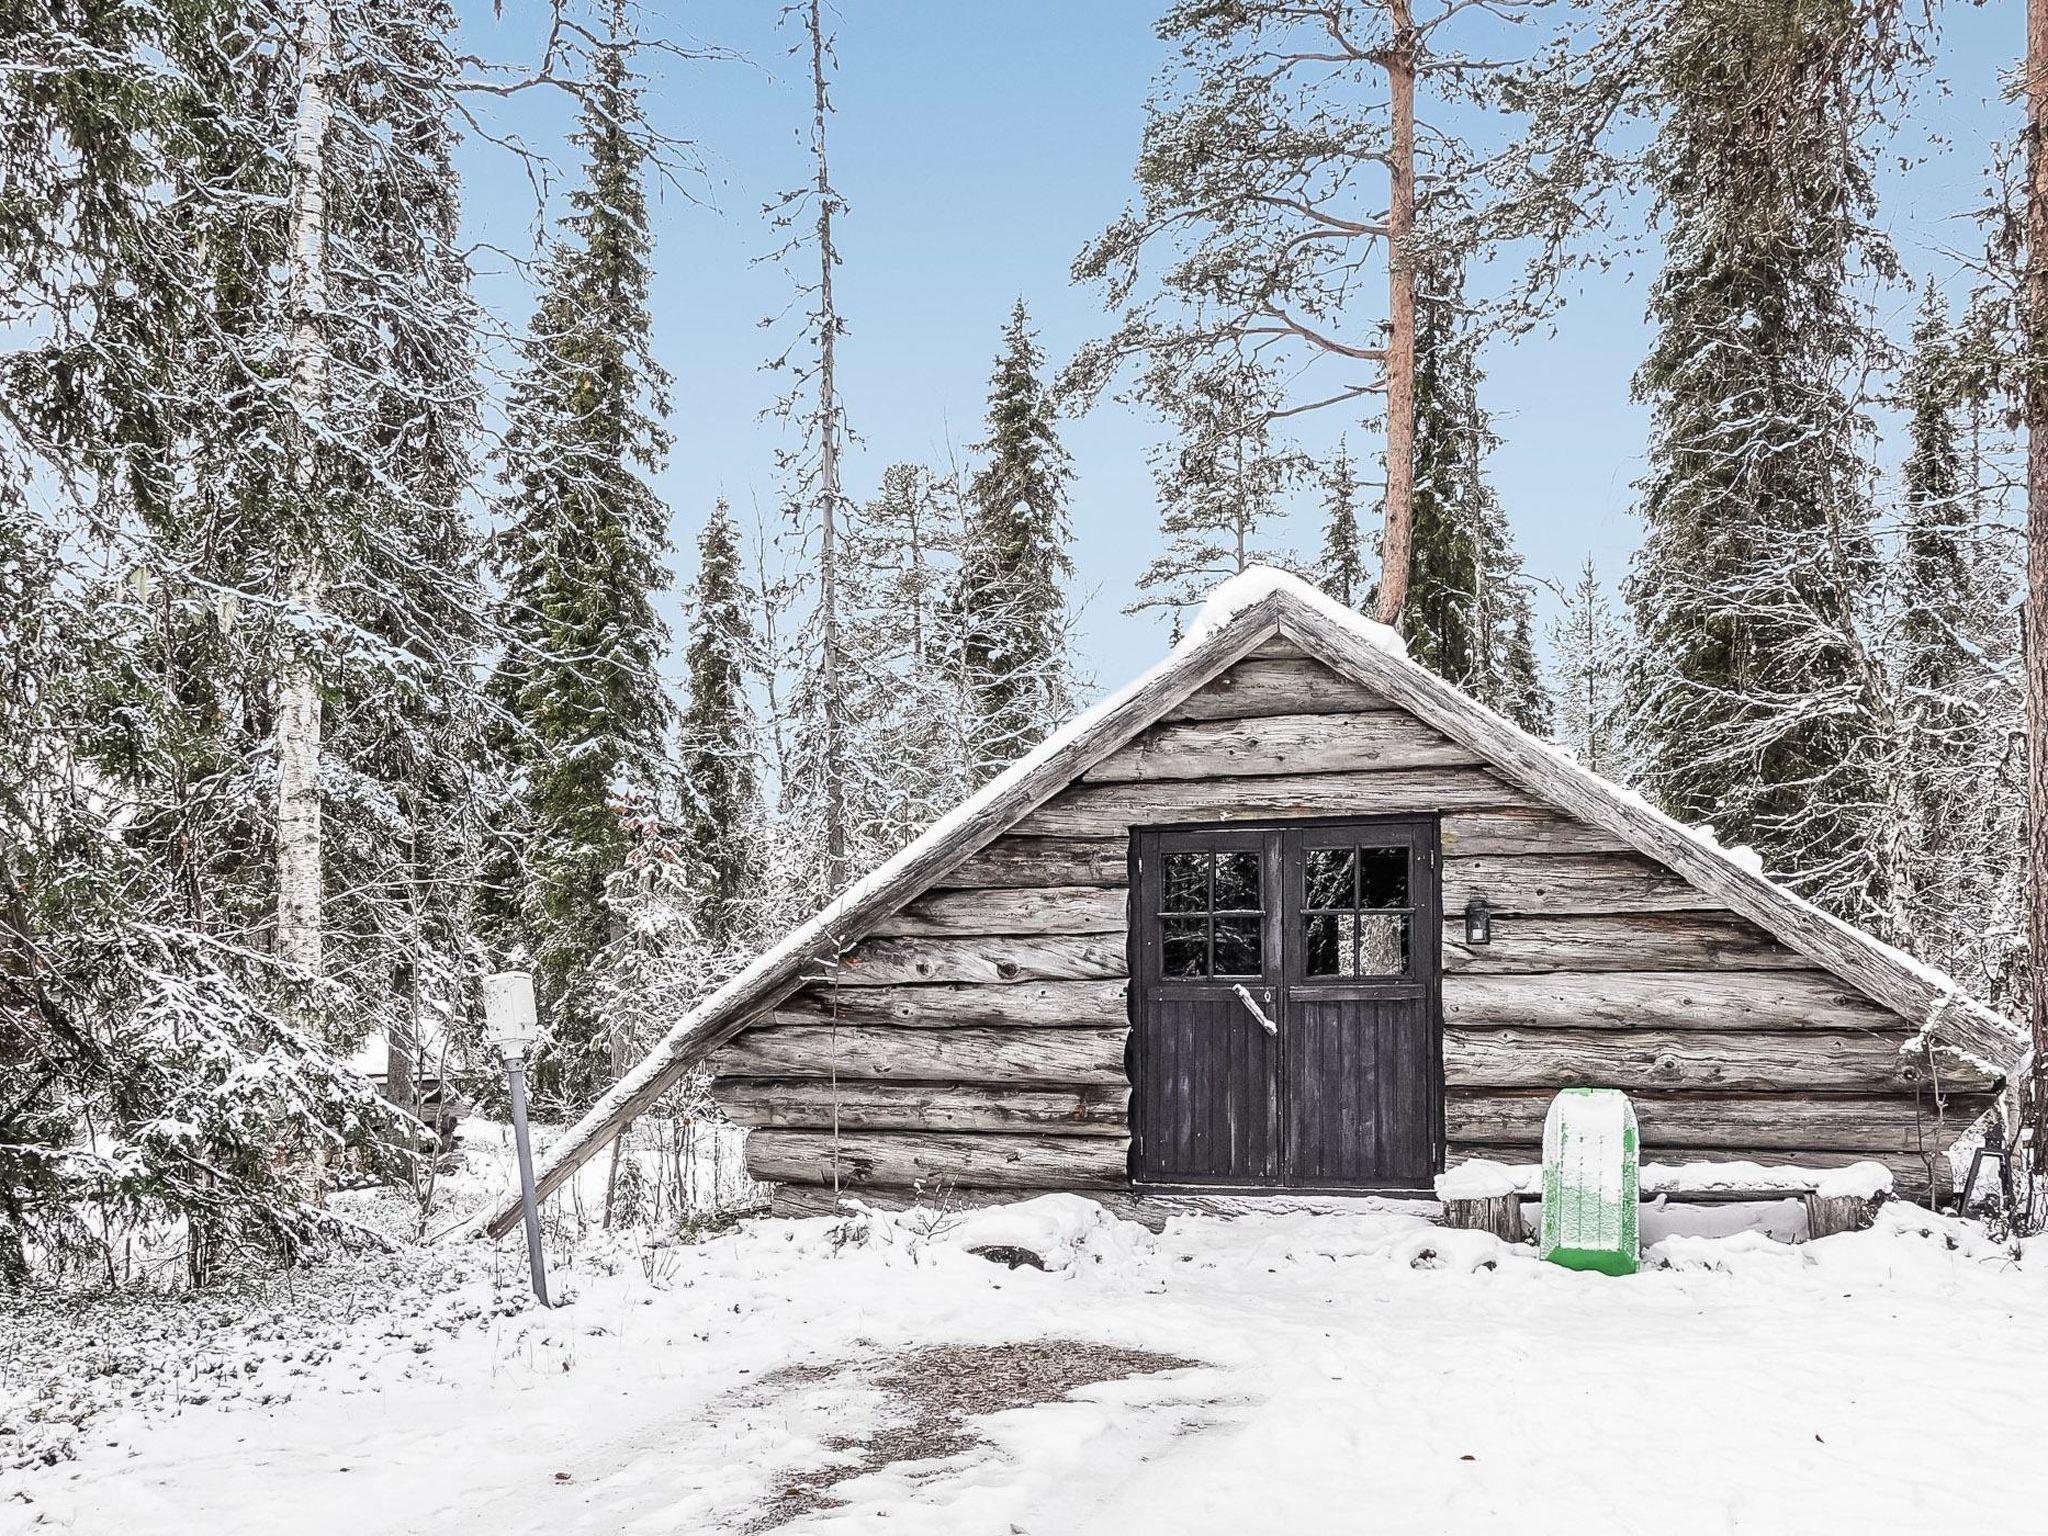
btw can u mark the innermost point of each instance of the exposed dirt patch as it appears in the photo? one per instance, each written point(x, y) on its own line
point(934, 1392)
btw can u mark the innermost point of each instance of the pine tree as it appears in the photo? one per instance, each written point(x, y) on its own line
point(1341, 572)
point(1014, 562)
point(581, 559)
point(1588, 642)
point(1754, 698)
point(719, 751)
point(1220, 480)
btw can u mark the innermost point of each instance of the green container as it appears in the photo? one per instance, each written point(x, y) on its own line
point(1590, 1181)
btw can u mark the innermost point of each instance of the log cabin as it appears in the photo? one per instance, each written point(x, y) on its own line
point(1292, 916)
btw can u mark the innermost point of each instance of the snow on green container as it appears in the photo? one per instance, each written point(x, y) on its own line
point(1590, 1181)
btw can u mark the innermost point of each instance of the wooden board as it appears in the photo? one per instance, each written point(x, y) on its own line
point(1001, 958)
point(1570, 882)
point(904, 1158)
point(1476, 834)
point(1042, 909)
point(809, 1104)
point(1908, 1169)
point(1356, 742)
point(1107, 810)
point(948, 1005)
point(1266, 686)
point(1805, 1061)
point(1632, 1000)
point(1033, 1056)
point(1787, 1122)
point(1644, 941)
point(1034, 861)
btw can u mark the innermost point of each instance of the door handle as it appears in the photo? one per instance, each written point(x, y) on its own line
point(1252, 1006)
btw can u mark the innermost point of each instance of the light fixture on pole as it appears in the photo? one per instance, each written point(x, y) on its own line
point(509, 1025)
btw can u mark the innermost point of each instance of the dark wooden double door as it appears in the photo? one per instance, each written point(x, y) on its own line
point(1286, 1006)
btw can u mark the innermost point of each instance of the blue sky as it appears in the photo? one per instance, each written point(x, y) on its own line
point(979, 147)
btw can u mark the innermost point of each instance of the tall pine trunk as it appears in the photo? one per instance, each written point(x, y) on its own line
point(830, 682)
point(1398, 540)
point(299, 930)
point(2035, 341)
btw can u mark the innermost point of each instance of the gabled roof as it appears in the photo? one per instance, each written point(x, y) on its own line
point(1242, 613)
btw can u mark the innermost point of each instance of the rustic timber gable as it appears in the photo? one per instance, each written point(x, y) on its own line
point(964, 1015)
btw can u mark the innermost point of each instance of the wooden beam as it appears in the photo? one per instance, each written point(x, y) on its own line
point(1357, 742)
point(1634, 1000)
point(1003, 958)
point(996, 810)
point(1109, 810)
point(947, 1005)
point(1645, 941)
point(1680, 1122)
point(809, 1104)
point(1470, 834)
point(1035, 861)
point(1801, 1061)
point(1570, 882)
point(1032, 1056)
point(1260, 686)
point(857, 1159)
point(1909, 1169)
point(1047, 909)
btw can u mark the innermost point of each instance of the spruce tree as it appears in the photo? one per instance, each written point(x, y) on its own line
point(719, 751)
point(581, 558)
point(1341, 572)
point(1754, 699)
point(1588, 642)
point(1014, 562)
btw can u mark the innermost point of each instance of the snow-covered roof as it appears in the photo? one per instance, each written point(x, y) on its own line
point(1241, 613)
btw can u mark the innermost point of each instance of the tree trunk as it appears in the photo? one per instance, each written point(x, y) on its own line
point(1398, 541)
point(2035, 341)
point(828, 479)
point(299, 931)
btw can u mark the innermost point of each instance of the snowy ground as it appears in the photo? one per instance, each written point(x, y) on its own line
point(1285, 1373)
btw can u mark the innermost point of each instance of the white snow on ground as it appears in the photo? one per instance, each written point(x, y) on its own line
point(1357, 1372)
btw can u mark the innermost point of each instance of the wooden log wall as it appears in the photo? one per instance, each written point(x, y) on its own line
point(976, 1038)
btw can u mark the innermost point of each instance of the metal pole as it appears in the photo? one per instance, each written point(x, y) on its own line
point(515, 1074)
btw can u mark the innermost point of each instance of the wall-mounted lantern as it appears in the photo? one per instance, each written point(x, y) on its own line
point(1478, 921)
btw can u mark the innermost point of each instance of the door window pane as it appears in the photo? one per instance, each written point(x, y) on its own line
point(1327, 873)
point(1329, 942)
point(1237, 946)
point(1184, 884)
point(1382, 943)
point(1383, 877)
point(1184, 946)
point(1237, 882)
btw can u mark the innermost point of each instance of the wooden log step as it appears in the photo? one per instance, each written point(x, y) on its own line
point(1005, 958)
point(1777, 999)
point(1909, 1169)
point(1048, 909)
point(1679, 1122)
point(902, 1159)
point(1276, 686)
point(1801, 1061)
point(1569, 882)
point(1499, 1214)
point(809, 1104)
point(1534, 943)
point(1108, 810)
point(1031, 1056)
point(1037, 861)
point(948, 1005)
point(1352, 742)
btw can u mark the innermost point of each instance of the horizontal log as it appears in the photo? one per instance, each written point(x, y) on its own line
point(1777, 999)
point(1803, 1061)
point(1681, 1121)
point(1353, 742)
point(1106, 810)
point(1474, 834)
point(809, 1104)
point(1649, 941)
point(1569, 882)
point(948, 1005)
point(1027, 861)
point(1269, 686)
point(1048, 909)
point(1003, 958)
point(1033, 1056)
point(901, 1159)
point(1909, 1169)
